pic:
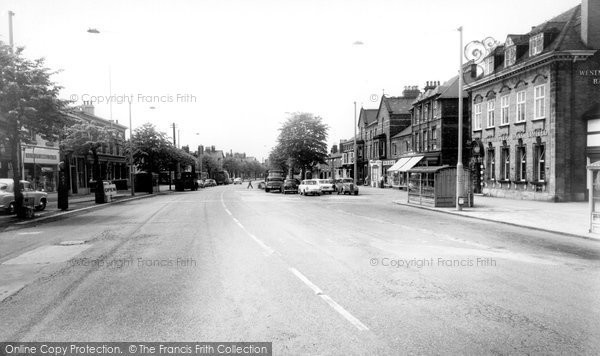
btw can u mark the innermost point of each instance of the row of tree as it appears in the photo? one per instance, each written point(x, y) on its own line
point(29, 102)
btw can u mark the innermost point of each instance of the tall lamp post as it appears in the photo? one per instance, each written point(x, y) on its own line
point(460, 174)
point(131, 177)
point(355, 149)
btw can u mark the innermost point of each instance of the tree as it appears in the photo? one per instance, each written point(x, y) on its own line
point(210, 165)
point(232, 166)
point(87, 139)
point(151, 150)
point(302, 142)
point(29, 103)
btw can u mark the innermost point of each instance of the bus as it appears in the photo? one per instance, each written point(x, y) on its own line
point(221, 177)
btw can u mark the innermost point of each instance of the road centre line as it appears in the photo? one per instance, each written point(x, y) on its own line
point(332, 303)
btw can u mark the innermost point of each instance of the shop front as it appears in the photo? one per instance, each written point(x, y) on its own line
point(375, 173)
point(41, 167)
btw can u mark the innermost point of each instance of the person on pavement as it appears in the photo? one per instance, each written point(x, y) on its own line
point(250, 184)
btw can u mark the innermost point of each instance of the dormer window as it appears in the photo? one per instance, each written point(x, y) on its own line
point(488, 65)
point(510, 55)
point(536, 44)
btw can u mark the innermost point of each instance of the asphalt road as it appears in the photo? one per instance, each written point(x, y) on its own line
point(328, 275)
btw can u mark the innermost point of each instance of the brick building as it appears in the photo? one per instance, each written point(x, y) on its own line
point(530, 105)
point(393, 116)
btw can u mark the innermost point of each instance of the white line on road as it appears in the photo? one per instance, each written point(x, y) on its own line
point(30, 233)
point(332, 303)
point(353, 320)
point(268, 250)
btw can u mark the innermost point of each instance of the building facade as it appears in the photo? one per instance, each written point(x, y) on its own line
point(113, 163)
point(392, 117)
point(529, 108)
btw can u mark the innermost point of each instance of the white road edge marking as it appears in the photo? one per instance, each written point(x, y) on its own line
point(332, 303)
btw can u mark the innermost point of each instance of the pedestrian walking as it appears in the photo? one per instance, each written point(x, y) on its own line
point(250, 184)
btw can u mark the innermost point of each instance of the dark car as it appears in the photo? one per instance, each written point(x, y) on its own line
point(290, 185)
point(210, 183)
point(346, 186)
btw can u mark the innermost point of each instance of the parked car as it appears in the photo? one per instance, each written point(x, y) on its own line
point(290, 185)
point(7, 195)
point(309, 186)
point(200, 183)
point(326, 185)
point(237, 181)
point(210, 183)
point(346, 186)
point(261, 185)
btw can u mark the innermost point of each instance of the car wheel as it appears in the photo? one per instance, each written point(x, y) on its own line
point(267, 190)
point(42, 205)
point(11, 208)
point(355, 193)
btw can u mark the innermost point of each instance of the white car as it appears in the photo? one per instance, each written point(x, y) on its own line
point(237, 181)
point(326, 185)
point(309, 186)
point(7, 196)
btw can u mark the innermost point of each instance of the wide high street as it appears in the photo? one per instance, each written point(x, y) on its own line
point(324, 275)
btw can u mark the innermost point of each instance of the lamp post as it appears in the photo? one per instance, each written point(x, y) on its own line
point(131, 178)
point(355, 149)
point(460, 174)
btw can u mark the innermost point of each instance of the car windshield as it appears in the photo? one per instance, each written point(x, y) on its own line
point(311, 182)
point(3, 187)
point(347, 180)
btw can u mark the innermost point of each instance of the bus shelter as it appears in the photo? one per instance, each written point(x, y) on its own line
point(436, 186)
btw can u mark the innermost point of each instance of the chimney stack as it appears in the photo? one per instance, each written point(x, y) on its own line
point(87, 108)
point(429, 85)
point(200, 150)
point(590, 23)
point(411, 91)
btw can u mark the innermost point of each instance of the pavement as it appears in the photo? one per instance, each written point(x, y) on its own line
point(77, 203)
point(322, 275)
point(567, 218)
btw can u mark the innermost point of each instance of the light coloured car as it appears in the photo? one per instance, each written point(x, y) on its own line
point(7, 195)
point(309, 186)
point(346, 186)
point(326, 185)
point(237, 181)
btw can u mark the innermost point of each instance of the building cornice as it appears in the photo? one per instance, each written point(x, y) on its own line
point(573, 55)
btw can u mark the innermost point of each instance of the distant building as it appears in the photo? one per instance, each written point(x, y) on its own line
point(113, 164)
point(393, 116)
point(530, 108)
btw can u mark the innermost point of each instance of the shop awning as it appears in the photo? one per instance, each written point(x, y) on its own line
point(398, 164)
point(411, 163)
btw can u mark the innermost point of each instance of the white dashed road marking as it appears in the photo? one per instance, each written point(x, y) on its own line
point(269, 251)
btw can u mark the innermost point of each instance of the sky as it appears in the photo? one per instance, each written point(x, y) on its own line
point(228, 73)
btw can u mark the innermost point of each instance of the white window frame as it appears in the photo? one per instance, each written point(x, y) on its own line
point(504, 109)
point(539, 100)
point(521, 106)
point(477, 117)
point(510, 55)
point(536, 44)
point(491, 107)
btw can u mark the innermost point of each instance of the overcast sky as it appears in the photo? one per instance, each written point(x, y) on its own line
point(228, 72)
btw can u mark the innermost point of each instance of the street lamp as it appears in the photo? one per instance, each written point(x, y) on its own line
point(460, 174)
point(131, 177)
point(355, 149)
